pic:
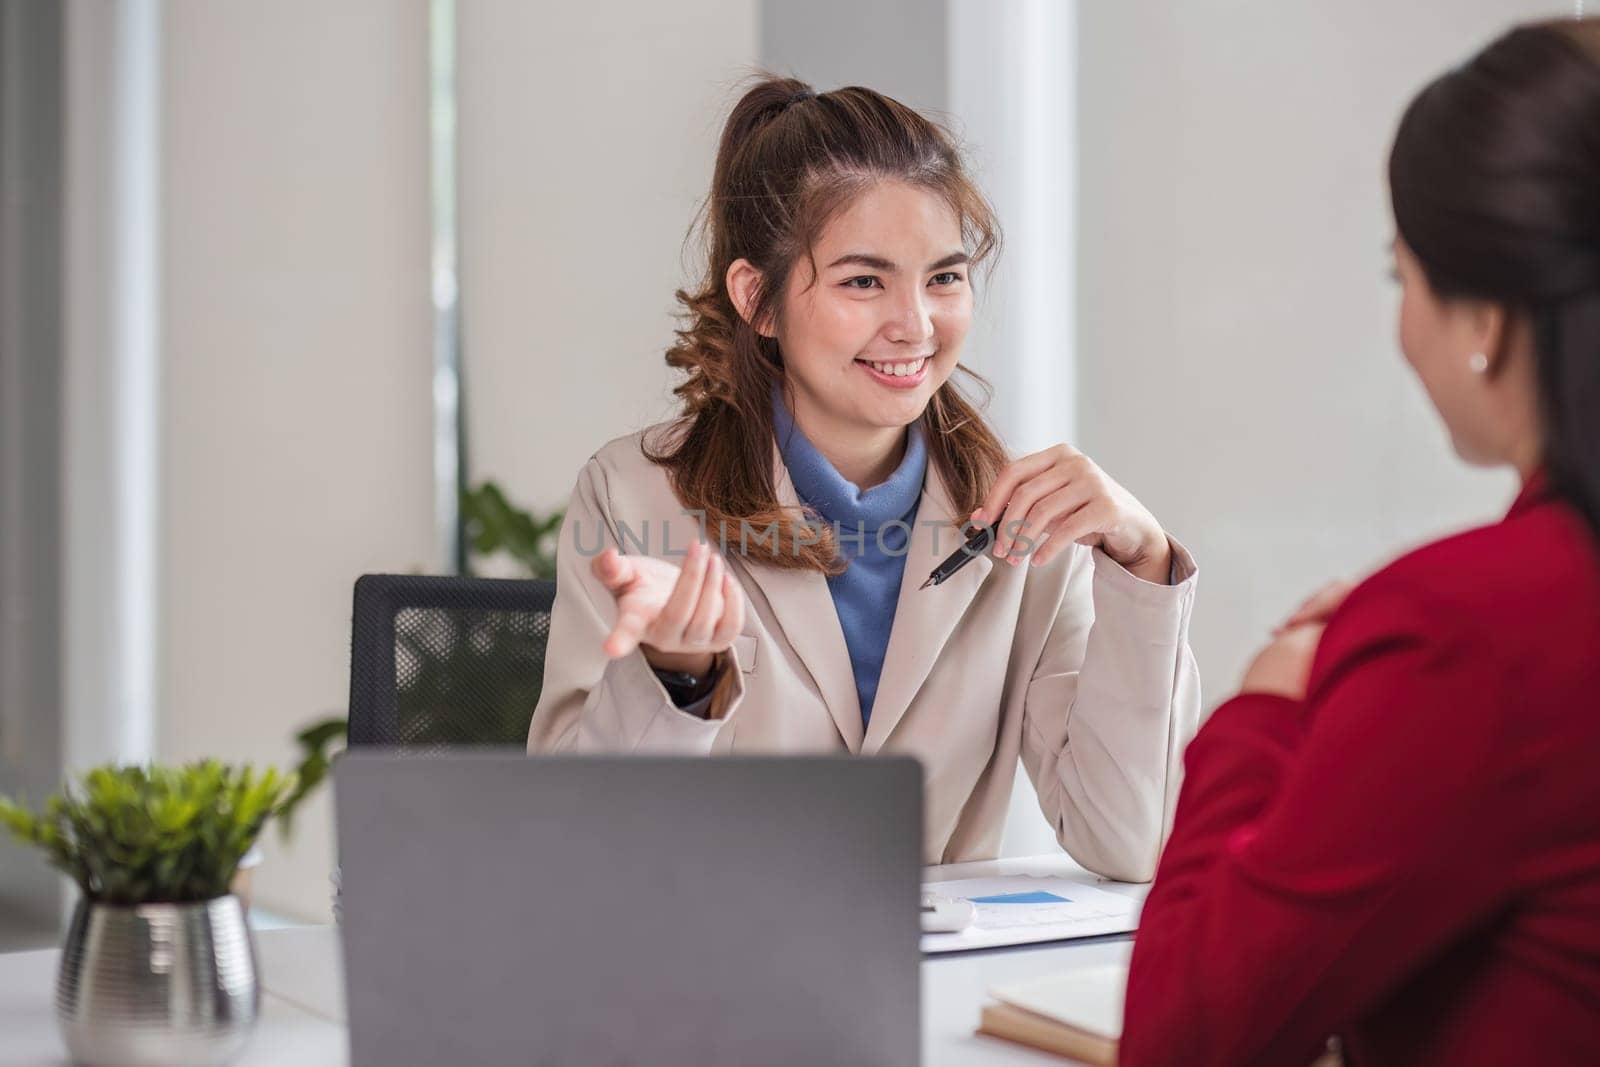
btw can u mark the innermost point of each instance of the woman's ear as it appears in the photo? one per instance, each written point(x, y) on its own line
point(744, 287)
point(1494, 328)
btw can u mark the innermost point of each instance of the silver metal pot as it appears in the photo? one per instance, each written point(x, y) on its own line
point(158, 985)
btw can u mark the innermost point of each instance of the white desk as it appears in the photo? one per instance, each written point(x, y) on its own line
point(302, 1018)
point(286, 1034)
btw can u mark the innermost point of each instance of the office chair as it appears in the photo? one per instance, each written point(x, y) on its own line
point(440, 661)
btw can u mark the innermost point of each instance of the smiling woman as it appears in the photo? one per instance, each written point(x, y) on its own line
point(824, 462)
point(865, 185)
point(867, 343)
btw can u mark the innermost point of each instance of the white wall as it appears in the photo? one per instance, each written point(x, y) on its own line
point(296, 363)
point(297, 330)
point(903, 48)
point(587, 135)
point(1238, 367)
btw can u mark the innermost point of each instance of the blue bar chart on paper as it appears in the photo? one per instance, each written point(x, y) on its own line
point(1024, 909)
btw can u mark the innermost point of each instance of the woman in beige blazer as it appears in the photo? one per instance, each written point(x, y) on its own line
point(750, 576)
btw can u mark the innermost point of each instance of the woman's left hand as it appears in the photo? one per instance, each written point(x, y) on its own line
point(1060, 492)
point(1284, 666)
point(1319, 606)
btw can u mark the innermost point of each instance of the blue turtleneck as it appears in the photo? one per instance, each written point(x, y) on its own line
point(866, 593)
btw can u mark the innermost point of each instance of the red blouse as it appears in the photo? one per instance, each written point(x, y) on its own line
point(1410, 857)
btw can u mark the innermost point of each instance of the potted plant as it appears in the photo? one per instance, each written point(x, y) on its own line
point(158, 966)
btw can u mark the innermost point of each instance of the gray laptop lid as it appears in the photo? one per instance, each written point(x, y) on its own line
point(500, 909)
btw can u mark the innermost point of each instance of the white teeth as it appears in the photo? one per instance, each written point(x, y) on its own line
point(898, 370)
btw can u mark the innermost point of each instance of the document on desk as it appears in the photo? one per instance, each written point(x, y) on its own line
point(1024, 909)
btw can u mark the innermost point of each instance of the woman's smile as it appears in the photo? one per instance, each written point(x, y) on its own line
point(897, 374)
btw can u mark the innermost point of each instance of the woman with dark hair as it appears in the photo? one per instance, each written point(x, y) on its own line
point(1392, 835)
point(830, 461)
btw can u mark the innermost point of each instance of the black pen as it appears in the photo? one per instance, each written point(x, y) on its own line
point(978, 542)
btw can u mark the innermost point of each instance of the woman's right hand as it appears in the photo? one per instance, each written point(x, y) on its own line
point(680, 618)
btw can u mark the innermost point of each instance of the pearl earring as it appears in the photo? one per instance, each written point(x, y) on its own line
point(1479, 363)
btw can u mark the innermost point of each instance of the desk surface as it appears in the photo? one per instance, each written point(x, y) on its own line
point(303, 997)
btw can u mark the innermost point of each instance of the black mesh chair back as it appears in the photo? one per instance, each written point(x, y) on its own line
point(441, 661)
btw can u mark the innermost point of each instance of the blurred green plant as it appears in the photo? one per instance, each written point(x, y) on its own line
point(317, 746)
point(140, 835)
point(491, 526)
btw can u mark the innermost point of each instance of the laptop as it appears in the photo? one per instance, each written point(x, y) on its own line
point(502, 909)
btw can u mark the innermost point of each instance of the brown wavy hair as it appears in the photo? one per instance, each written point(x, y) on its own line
point(789, 161)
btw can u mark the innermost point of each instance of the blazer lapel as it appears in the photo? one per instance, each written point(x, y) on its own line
point(923, 618)
point(803, 607)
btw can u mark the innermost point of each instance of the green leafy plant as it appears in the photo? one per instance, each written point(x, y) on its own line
point(492, 525)
point(317, 750)
point(139, 835)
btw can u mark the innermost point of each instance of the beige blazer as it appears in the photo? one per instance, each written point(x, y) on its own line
point(1077, 668)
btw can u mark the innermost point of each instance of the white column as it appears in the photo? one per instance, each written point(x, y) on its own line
point(1013, 98)
point(1013, 95)
point(109, 295)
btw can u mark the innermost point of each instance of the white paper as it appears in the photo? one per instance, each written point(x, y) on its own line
point(1085, 911)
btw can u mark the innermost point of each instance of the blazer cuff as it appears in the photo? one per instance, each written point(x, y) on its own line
point(1113, 580)
point(652, 722)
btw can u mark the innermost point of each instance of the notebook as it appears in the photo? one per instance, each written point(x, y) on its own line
point(1077, 1014)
